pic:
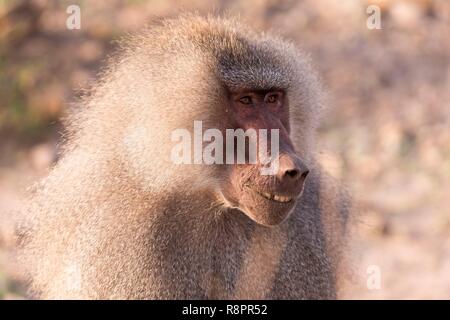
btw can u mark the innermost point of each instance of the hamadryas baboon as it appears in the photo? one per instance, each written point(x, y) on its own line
point(116, 218)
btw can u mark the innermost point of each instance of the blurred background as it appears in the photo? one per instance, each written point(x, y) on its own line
point(387, 133)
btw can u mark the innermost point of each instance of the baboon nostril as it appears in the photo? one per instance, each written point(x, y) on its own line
point(304, 174)
point(293, 173)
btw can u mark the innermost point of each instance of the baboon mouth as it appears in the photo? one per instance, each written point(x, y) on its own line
point(274, 197)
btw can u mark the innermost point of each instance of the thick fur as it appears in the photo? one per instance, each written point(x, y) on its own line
point(117, 219)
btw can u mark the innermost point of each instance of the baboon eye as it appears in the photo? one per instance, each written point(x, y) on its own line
point(272, 98)
point(245, 100)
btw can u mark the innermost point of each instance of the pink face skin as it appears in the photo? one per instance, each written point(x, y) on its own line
point(267, 199)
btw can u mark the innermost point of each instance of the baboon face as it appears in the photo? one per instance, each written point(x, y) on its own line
point(267, 199)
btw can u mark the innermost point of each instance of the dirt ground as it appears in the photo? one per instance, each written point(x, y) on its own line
point(386, 134)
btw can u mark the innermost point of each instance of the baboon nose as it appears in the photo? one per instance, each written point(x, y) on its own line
point(296, 174)
point(292, 171)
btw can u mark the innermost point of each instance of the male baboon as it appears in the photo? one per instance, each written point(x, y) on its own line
point(117, 218)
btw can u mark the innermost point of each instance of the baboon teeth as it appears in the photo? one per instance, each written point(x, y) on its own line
point(281, 198)
point(275, 197)
point(267, 195)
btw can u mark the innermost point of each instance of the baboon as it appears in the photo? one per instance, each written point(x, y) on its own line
point(116, 218)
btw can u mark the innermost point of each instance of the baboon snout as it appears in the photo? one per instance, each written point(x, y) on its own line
point(292, 172)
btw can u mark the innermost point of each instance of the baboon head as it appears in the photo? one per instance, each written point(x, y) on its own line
point(260, 80)
point(228, 77)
